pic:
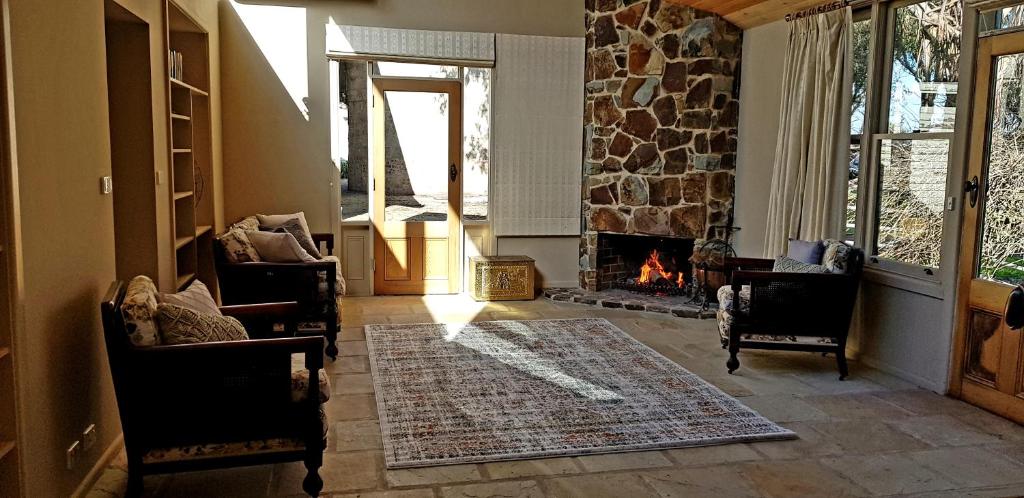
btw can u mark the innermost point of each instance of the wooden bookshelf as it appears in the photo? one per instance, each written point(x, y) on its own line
point(191, 151)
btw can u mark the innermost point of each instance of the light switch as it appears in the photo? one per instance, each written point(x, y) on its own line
point(106, 185)
point(159, 177)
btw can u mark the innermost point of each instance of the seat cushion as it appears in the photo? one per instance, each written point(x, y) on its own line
point(725, 322)
point(139, 311)
point(725, 298)
point(300, 381)
point(837, 256)
point(339, 279)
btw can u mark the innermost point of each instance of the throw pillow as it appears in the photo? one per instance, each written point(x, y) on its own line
point(790, 265)
point(293, 227)
point(180, 325)
point(837, 255)
point(339, 286)
point(237, 247)
point(279, 247)
point(247, 223)
point(138, 309)
point(196, 298)
point(273, 220)
point(807, 251)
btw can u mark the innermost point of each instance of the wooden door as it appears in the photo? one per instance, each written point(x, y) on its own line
point(417, 185)
point(988, 362)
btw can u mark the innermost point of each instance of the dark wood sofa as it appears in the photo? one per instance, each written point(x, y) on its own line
point(788, 311)
point(263, 282)
point(219, 404)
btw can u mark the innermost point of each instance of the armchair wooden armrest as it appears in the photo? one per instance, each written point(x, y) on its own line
point(259, 319)
point(327, 239)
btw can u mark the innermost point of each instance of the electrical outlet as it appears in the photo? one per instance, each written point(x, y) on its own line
point(106, 185)
point(72, 455)
point(89, 437)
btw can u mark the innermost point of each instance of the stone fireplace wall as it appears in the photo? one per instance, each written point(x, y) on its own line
point(660, 122)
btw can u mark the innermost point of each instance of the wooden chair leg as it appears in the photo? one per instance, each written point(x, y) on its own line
point(734, 348)
point(312, 484)
point(844, 370)
point(332, 346)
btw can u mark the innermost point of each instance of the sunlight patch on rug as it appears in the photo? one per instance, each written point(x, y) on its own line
point(507, 390)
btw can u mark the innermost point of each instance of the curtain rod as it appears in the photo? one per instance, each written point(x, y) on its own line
point(825, 7)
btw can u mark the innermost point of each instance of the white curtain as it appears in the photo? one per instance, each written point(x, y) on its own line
point(538, 137)
point(804, 203)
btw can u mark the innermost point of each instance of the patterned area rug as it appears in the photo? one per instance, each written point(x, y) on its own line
point(505, 390)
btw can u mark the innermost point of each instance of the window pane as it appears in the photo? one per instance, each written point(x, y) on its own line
point(415, 156)
point(912, 194)
point(861, 56)
point(1000, 19)
point(352, 141)
point(1002, 246)
point(851, 191)
point(926, 54)
point(408, 69)
point(476, 150)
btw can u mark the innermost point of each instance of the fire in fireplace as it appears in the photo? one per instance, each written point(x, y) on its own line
point(641, 263)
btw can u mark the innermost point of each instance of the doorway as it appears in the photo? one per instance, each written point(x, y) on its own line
point(416, 185)
point(988, 364)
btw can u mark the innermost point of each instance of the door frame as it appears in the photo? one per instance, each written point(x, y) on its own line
point(453, 88)
point(988, 48)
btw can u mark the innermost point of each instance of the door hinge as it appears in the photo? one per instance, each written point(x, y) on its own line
point(373, 263)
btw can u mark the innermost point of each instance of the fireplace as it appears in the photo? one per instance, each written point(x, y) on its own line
point(644, 263)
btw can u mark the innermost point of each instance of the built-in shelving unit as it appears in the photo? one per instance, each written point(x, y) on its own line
point(191, 152)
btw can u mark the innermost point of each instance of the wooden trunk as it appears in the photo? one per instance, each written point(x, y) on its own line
point(501, 278)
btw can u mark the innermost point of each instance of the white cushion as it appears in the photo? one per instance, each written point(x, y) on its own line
point(279, 247)
point(273, 220)
point(196, 298)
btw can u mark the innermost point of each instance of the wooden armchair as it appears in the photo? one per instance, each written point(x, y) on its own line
point(762, 309)
point(219, 404)
point(312, 285)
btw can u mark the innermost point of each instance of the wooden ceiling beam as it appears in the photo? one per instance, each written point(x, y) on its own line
point(750, 13)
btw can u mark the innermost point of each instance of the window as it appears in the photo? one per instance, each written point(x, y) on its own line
point(902, 131)
point(476, 130)
point(1005, 19)
point(413, 70)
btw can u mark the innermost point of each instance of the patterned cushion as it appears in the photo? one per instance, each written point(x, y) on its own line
point(180, 325)
point(837, 255)
point(725, 298)
point(339, 286)
point(249, 223)
point(237, 247)
point(139, 310)
point(196, 298)
point(300, 381)
point(725, 320)
point(790, 265)
point(304, 238)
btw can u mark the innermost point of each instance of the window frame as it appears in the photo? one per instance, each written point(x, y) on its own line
point(876, 129)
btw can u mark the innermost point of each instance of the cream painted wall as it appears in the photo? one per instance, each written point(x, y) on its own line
point(277, 154)
point(62, 140)
point(760, 101)
point(557, 258)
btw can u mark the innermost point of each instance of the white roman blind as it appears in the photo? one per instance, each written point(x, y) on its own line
point(411, 44)
point(537, 135)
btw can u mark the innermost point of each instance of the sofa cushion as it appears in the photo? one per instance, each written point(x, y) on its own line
point(180, 325)
point(274, 220)
point(784, 264)
point(725, 323)
point(837, 256)
point(249, 223)
point(725, 298)
point(139, 311)
point(806, 251)
point(237, 247)
point(304, 238)
point(196, 298)
point(339, 279)
point(300, 381)
point(279, 247)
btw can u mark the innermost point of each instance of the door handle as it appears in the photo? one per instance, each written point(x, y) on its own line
point(1014, 314)
point(972, 188)
point(453, 172)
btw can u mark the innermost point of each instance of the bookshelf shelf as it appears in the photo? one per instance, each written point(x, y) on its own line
point(182, 195)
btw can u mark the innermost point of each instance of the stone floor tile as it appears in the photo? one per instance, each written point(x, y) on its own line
point(352, 348)
point(432, 475)
point(529, 468)
point(357, 435)
point(712, 455)
point(350, 364)
point(623, 461)
point(341, 472)
point(867, 436)
point(971, 467)
point(810, 443)
point(351, 334)
point(944, 430)
point(515, 315)
point(889, 474)
point(857, 405)
point(353, 384)
point(784, 408)
point(392, 493)
point(987, 492)
point(411, 318)
point(241, 482)
point(718, 481)
point(798, 478)
point(506, 489)
point(994, 425)
point(352, 407)
point(599, 486)
point(922, 402)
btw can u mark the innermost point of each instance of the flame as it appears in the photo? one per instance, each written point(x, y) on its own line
point(652, 267)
